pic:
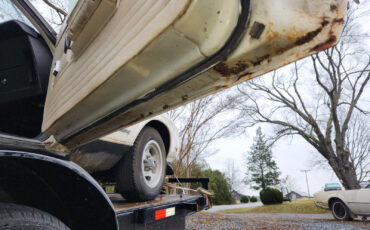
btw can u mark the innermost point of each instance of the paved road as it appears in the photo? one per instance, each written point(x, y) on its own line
point(210, 221)
point(233, 206)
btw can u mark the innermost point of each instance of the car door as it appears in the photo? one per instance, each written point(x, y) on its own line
point(358, 200)
point(117, 62)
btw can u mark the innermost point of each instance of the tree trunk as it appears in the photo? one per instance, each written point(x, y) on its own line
point(345, 172)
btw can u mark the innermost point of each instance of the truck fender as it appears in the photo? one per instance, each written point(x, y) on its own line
point(56, 186)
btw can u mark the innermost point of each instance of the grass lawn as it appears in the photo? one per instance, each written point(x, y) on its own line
point(297, 206)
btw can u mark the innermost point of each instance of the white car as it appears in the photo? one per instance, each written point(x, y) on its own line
point(113, 63)
point(136, 156)
point(345, 204)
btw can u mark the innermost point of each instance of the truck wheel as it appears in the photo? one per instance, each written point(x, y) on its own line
point(340, 210)
point(19, 217)
point(141, 172)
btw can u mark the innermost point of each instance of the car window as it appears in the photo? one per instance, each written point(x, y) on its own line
point(332, 185)
point(8, 11)
point(368, 186)
point(54, 11)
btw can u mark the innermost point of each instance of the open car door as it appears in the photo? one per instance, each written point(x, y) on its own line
point(117, 62)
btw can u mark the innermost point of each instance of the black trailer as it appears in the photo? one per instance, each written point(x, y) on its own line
point(36, 180)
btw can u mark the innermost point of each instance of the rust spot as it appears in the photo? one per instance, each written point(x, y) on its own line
point(339, 20)
point(226, 71)
point(257, 30)
point(324, 23)
point(308, 37)
point(325, 45)
point(333, 7)
point(246, 76)
point(271, 35)
point(260, 59)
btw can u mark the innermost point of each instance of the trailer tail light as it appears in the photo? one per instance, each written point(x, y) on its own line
point(163, 213)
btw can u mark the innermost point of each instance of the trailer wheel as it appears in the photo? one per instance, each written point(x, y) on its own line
point(141, 172)
point(19, 217)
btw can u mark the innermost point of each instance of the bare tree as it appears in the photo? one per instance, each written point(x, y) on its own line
point(316, 99)
point(232, 175)
point(200, 123)
point(358, 144)
point(287, 184)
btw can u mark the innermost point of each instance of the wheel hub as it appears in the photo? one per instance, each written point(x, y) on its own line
point(152, 165)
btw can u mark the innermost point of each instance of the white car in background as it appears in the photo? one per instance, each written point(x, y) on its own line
point(136, 156)
point(345, 204)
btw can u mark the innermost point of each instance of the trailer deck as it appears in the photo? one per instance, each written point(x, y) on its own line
point(165, 212)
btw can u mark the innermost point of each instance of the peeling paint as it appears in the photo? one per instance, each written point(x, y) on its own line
point(325, 45)
point(308, 37)
point(226, 70)
point(260, 59)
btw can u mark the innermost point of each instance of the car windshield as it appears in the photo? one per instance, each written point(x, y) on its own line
point(8, 11)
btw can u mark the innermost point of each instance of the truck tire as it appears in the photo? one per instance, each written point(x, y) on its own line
point(340, 210)
point(20, 217)
point(140, 173)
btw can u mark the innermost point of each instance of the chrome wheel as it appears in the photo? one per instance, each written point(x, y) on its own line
point(152, 164)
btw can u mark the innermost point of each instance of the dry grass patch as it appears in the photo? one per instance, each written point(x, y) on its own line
point(297, 206)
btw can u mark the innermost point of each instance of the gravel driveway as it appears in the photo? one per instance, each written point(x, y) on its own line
point(205, 221)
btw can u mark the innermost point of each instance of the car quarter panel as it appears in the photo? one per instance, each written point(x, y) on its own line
point(132, 55)
point(358, 200)
point(269, 41)
point(127, 136)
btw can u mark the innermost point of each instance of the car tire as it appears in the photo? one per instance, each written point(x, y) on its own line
point(140, 173)
point(340, 210)
point(20, 217)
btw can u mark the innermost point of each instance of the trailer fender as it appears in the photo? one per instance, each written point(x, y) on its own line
point(56, 186)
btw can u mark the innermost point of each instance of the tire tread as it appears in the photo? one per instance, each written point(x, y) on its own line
point(18, 215)
point(126, 173)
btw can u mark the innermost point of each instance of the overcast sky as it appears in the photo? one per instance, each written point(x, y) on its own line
point(291, 157)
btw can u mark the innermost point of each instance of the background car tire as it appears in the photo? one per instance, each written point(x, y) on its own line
point(140, 173)
point(340, 210)
point(20, 217)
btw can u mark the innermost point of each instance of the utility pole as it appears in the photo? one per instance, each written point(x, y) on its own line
point(308, 189)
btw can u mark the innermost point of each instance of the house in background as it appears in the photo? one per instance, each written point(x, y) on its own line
point(296, 195)
point(237, 196)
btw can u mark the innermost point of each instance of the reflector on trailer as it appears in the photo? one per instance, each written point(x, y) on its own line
point(163, 213)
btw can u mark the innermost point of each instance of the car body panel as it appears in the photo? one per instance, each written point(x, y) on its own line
point(357, 200)
point(111, 66)
point(103, 154)
point(147, 57)
point(128, 135)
